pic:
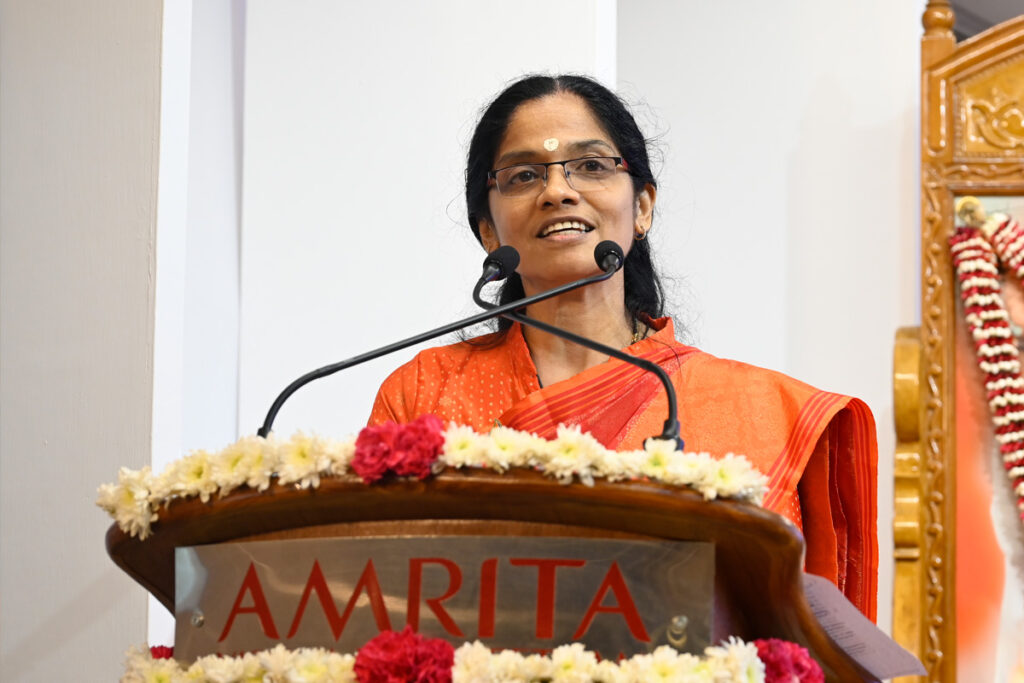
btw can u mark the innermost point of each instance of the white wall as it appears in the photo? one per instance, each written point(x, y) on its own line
point(357, 117)
point(79, 117)
point(788, 199)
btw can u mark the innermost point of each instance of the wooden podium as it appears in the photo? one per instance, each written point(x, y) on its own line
point(758, 554)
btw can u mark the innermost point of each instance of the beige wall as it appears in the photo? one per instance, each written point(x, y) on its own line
point(79, 124)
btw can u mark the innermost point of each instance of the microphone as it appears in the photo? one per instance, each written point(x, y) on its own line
point(608, 254)
point(609, 258)
point(499, 263)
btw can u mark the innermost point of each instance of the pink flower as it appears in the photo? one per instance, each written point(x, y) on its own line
point(405, 657)
point(419, 444)
point(787, 662)
point(374, 447)
point(408, 450)
point(161, 652)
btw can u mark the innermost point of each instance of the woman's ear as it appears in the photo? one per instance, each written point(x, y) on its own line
point(645, 207)
point(488, 235)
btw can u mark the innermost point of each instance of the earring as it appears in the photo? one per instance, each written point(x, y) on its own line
point(640, 235)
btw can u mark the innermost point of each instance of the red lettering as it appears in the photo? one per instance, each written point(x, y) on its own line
point(369, 582)
point(546, 589)
point(488, 598)
point(251, 584)
point(317, 582)
point(626, 607)
point(416, 589)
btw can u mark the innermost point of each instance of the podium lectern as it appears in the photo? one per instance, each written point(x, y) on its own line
point(758, 555)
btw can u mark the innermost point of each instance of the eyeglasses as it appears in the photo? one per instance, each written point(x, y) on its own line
point(583, 175)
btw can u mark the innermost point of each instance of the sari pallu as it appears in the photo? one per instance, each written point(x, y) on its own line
point(817, 448)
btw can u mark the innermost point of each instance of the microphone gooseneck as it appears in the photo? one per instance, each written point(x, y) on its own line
point(496, 266)
point(609, 257)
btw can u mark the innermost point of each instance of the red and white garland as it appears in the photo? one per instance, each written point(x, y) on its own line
point(417, 449)
point(977, 253)
point(407, 656)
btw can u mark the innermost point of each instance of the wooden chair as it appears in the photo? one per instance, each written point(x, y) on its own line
point(972, 143)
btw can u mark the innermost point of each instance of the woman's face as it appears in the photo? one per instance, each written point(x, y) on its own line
point(555, 227)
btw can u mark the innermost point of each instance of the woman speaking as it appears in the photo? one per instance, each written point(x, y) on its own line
point(557, 165)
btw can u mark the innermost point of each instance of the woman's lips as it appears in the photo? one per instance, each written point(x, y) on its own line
point(565, 228)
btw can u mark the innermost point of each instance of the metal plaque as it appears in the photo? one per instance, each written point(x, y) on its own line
point(618, 597)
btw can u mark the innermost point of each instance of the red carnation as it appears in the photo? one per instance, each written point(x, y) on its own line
point(405, 657)
point(786, 662)
point(161, 652)
point(417, 447)
point(374, 447)
point(408, 450)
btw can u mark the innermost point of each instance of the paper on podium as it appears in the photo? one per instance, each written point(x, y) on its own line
point(855, 634)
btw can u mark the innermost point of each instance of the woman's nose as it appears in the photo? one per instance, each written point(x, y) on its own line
point(557, 189)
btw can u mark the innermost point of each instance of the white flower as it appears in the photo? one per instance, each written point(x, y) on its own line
point(689, 469)
point(301, 459)
point(508, 447)
point(463, 447)
point(738, 659)
point(252, 669)
point(276, 662)
point(609, 672)
point(194, 674)
point(624, 465)
point(217, 669)
point(735, 477)
point(572, 664)
point(136, 660)
point(340, 453)
point(230, 469)
point(259, 458)
point(508, 665)
point(536, 666)
point(472, 663)
point(635, 668)
point(666, 664)
point(661, 454)
point(309, 665)
point(341, 668)
point(572, 453)
point(154, 671)
point(192, 476)
point(128, 501)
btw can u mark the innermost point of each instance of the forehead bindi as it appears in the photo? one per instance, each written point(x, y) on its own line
point(553, 126)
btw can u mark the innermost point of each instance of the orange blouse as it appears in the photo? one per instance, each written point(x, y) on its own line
point(817, 448)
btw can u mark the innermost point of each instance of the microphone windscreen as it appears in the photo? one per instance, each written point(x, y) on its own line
point(605, 252)
point(505, 258)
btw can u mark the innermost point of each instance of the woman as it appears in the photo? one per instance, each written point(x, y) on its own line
point(557, 165)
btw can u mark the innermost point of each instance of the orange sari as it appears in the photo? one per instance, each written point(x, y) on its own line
point(818, 449)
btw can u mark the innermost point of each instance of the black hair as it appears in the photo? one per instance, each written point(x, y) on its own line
point(644, 291)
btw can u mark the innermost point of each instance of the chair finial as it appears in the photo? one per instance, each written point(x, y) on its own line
point(938, 19)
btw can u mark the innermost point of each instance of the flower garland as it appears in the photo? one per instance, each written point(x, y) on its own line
point(407, 656)
point(976, 254)
point(416, 449)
